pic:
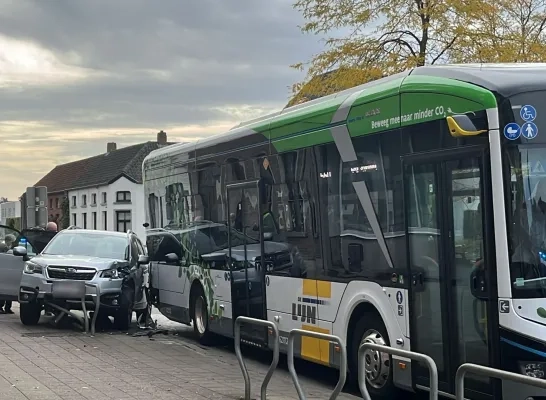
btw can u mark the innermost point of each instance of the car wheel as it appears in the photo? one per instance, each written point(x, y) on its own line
point(124, 314)
point(370, 328)
point(30, 313)
point(201, 317)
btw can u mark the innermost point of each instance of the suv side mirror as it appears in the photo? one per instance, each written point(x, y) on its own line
point(20, 251)
point(143, 259)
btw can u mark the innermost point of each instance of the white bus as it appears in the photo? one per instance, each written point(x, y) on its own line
point(409, 211)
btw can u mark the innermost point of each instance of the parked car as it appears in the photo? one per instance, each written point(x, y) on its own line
point(33, 240)
point(117, 262)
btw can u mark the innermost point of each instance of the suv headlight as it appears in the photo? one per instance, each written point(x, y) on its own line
point(110, 273)
point(31, 268)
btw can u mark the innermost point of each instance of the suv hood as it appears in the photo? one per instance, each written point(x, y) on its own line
point(77, 261)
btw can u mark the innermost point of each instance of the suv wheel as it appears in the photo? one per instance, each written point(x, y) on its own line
point(124, 314)
point(30, 313)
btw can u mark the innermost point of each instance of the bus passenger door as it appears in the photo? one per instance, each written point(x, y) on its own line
point(448, 214)
point(245, 255)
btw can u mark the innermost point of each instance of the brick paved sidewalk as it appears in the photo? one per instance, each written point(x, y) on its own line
point(42, 363)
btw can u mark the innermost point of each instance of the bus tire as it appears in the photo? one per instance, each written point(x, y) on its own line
point(200, 316)
point(379, 380)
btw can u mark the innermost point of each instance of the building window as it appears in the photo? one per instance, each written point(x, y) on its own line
point(50, 203)
point(123, 197)
point(94, 216)
point(57, 202)
point(103, 197)
point(73, 201)
point(84, 217)
point(123, 221)
point(84, 200)
point(105, 220)
point(93, 199)
point(74, 219)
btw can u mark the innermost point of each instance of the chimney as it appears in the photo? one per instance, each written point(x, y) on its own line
point(162, 137)
point(111, 147)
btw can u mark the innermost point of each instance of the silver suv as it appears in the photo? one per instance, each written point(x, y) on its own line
point(116, 262)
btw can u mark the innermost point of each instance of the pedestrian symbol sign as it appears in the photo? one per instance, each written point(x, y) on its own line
point(512, 131)
point(528, 113)
point(529, 130)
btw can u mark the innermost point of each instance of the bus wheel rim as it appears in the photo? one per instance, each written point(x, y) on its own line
point(200, 315)
point(377, 365)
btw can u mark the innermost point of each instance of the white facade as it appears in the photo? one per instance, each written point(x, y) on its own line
point(100, 204)
point(9, 209)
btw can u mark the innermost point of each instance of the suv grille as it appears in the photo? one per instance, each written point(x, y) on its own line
point(71, 273)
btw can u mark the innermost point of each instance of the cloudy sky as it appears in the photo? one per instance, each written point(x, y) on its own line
point(75, 75)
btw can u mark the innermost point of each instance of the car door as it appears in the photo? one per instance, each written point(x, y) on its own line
point(167, 275)
point(11, 267)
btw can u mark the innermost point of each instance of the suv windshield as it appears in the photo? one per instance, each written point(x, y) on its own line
point(525, 183)
point(88, 245)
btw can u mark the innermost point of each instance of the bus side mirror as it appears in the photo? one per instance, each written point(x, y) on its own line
point(460, 125)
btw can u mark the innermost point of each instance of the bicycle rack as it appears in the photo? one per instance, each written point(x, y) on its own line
point(433, 370)
point(260, 322)
point(317, 335)
point(492, 373)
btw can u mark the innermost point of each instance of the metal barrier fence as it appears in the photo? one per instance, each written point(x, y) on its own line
point(492, 373)
point(433, 370)
point(323, 336)
point(260, 322)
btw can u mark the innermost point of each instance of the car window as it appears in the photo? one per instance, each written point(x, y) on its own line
point(163, 244)
point(88, 245)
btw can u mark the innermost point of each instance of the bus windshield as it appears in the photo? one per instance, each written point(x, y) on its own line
point(526, 156)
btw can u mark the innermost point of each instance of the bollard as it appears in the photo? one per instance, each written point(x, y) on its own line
point(317, 335)
point(271, 370)
point(396, 352)
point(492, 373)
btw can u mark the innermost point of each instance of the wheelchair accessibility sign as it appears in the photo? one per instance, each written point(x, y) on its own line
point(528, 113)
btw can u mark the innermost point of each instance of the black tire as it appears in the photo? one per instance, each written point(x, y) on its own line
point(30, 313)
point(371, 326)
point(200, 315)
point(124, 314)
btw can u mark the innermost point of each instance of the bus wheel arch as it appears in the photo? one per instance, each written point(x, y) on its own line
point(367, 324)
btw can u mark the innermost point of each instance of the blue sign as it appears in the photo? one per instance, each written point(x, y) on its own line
point(528, 113)
point(512, 131)
point(529, 130)
point(399, 297)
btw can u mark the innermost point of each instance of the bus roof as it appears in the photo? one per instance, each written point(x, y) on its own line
point(475, 82)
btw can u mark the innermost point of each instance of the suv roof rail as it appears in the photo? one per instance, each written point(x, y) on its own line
point(71, 227)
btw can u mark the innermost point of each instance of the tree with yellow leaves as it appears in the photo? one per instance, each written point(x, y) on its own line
point(382, 37)
point(504, 31)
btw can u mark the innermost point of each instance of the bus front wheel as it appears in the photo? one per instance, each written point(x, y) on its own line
point(201, 317)
point(378, 366)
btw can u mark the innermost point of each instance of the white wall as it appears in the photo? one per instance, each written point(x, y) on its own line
point(110, 207)
point(9, 209)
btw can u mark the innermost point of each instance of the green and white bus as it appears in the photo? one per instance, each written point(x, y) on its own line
point(408, 211)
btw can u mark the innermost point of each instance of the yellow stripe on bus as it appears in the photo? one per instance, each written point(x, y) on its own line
point(316, 288)
point(316, 350)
